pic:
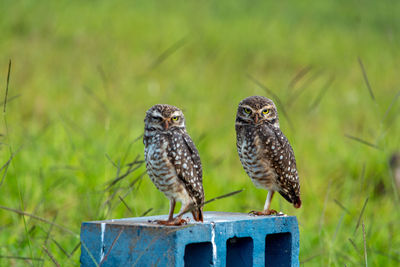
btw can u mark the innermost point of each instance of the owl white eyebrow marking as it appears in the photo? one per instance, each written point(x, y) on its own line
point(155, 113)
point(266, 107)
point(175, 113)
point(246, 106)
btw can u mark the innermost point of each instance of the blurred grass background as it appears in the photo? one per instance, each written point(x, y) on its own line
point(84, 73)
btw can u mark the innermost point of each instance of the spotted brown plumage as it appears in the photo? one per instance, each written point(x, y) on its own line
point(173, 162)
point(265, 152)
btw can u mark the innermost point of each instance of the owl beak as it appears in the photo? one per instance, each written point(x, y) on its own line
point(256, 118)
point(166, 125)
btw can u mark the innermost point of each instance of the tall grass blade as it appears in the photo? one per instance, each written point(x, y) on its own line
point(23, 213)
point(126, 205)
point(361, 214)
point(391, 105)
point(322, 93)
point(8, 82)
point(51, 256)
point(362, 141)
point(365, 245)
point(341, 205)
point(146, 212)
point(299, 75)
point(366, 78)
point(20, 258)
point(168, 52)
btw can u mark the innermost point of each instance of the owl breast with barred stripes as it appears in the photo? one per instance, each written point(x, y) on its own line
point(265, 152)
point(173, 162)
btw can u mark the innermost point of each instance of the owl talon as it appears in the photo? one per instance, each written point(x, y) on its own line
point(174, 222)
point(252, 212)
point(264, 213)
point(178, 222)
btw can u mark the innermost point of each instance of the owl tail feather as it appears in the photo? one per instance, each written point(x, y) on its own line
point(297, 203)
point(198, 214)
point(292, 198)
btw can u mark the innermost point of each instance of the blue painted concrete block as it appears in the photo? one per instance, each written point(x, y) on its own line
point(224, 239)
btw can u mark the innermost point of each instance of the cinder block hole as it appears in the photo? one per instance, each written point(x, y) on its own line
point(278, 249)
point(239, 252)
point(198, 254)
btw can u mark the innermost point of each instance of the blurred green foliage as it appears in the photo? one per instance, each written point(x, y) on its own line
point(84, 73)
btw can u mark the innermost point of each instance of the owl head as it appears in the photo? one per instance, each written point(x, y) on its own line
point(255, 110)
point(164, 118)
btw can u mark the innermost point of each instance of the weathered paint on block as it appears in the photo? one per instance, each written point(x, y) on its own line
point(224, 239)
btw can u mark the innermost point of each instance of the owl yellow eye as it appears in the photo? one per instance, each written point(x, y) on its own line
point(247, 111)
point(175, 118)
point(265, 111)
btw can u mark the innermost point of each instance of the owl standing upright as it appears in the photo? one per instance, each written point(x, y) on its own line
point(173, 162)
point(265, 152)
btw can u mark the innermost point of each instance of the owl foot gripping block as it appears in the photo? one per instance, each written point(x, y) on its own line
point(224, 239)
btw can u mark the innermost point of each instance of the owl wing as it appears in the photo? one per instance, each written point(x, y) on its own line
point(188, 168)
point(281, 155)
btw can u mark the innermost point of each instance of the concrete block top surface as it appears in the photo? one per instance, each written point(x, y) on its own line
point(210, 217)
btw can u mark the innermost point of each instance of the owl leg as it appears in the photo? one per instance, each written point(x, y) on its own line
point(267, 210)
point(178, 219)
point(170, 220)
point(171, 209)
point(185, 208)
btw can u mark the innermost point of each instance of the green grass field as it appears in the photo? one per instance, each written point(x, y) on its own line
point(84, 73)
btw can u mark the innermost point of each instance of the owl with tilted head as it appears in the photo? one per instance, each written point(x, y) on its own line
point(265, 152)
point(173, 162)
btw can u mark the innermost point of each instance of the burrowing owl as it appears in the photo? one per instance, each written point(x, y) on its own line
point(173, 162)
point(265, 152)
